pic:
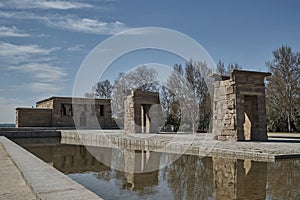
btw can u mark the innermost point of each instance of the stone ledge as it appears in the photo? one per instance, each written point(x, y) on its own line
point(45, 181)
point(202, 144)
point(29, 133)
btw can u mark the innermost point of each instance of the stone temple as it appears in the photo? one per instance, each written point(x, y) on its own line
point(66, 112)
point(239, 108)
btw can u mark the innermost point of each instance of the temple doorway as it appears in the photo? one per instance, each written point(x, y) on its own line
point(250, 110)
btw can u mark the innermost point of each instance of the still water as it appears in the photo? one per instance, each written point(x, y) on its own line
point(189, 177)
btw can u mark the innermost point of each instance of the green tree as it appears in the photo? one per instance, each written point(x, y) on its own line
point(283, 90)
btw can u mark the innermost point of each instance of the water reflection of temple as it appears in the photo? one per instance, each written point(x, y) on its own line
point(239, 179)
point(141, 169)
point(189, 177)
point(71, 159)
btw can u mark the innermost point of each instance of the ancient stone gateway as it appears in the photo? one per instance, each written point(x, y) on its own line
point(141, 112)
point(239, 109)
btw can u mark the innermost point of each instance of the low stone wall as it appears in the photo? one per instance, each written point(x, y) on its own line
point(39, 132)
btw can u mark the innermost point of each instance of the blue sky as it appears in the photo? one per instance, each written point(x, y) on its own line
point(44, 42)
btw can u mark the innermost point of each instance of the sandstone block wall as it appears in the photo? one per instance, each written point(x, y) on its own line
point(88, 113)
point(32, 117)
point(96, 113)
point(239, 111)
point(142, 112)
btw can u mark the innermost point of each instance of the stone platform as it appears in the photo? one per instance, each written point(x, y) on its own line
point(193, 144)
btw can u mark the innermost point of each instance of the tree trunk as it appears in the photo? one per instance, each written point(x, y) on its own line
point(289, 122)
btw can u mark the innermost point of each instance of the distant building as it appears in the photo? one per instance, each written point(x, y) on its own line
point(66, 112)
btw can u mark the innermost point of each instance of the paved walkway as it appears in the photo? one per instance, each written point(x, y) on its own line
point(12, 185)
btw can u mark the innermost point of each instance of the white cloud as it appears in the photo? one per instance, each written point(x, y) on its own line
point(20, 15)
point(87, 25)
point(141, 31)
point(76, 47)
point(44, 4)
point(14, 54)
point(7, 49)
point(71, 23)
point(12, 31)
point(38, 88)
point(43, 87)
point(31, 59)
point(43, 72)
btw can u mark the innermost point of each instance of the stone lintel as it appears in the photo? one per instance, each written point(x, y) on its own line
point(251, 93)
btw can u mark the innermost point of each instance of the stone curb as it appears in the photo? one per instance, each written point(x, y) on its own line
point(45, 181)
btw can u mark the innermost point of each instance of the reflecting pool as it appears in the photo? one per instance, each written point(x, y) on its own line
point(189, 177)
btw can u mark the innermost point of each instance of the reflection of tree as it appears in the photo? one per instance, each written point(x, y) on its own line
point(284, 180)
point(190, 177)
point(104, 175)
point(142, 183)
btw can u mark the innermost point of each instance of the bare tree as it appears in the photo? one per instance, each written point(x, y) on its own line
point(190, 99)
point(101, 89)
point(226, 70)
point(198, 75)
point(165, 99)
point(175, 84)
point(143, 77)
point(283, 90)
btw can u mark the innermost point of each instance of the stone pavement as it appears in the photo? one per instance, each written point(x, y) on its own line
point(12, 185)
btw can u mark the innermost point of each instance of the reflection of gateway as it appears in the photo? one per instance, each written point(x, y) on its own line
point(82, 120)
point(62, 111)
point(140, 166)
point(239, 179)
